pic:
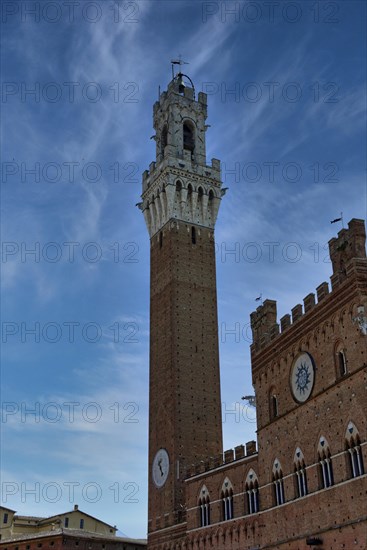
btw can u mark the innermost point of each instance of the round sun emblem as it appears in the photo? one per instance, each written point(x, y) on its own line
point(302, 377)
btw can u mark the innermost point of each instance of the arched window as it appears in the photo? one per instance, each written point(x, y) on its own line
point(227, 500)
point(278, 484)
point(204, 507)
point(300, 473)
point(188, 137)
point(353, 445)
point(252, 493)
point(325, 464)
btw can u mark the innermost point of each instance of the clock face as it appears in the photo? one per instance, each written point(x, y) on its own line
point(302, 377)
point(160, 468)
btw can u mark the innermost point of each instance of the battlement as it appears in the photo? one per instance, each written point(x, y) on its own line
point(348, 257)
point(231, 455)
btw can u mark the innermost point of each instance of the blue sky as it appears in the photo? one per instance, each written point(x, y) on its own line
point(291, 138)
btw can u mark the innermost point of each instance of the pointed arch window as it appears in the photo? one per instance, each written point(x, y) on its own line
point(353, 445)
point(325, 464)
point(300, 474)
point(278, 484)
point(227, 500)
point(252, 493)
point(204, 507)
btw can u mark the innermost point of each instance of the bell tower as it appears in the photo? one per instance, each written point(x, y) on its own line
point(180, 202)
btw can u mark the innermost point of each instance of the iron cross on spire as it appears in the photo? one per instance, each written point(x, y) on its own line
point(179, 62)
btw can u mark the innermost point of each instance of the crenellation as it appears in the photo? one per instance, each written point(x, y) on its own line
point(239, 452)
point(297, 313)
point(309, 302)
point(251, 448)
point(322, 291)
point(285, 322)
point(228, 456)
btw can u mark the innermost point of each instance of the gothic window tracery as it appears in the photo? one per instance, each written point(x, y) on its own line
point(204, 507)
point(252, 492)
point(353, 445)
point(325, 464)
point(227, 500)
point(300, 473)
point(278, 484)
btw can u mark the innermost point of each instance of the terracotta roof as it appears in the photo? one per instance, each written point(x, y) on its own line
point(81, 533)
point(45, 520)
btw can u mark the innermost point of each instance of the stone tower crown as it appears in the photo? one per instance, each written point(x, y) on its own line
point(347, 246)
point(179, 185)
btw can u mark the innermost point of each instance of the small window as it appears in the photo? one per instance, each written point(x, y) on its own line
point(81, 524)
point(6, 515)
point(274, 406)
point(77, 543)
point(39, 545)
point(193, 235)
point(66, 522)
point(52, 543)
point(342, 363)
point(28, 546)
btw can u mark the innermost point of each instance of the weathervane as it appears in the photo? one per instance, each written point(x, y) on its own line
point(179, 62)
